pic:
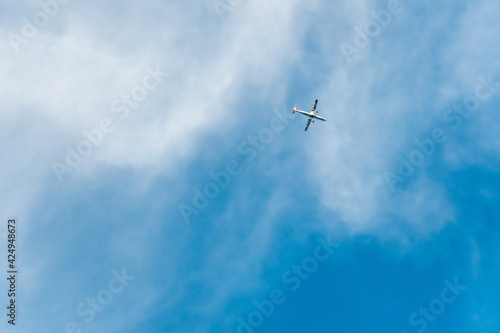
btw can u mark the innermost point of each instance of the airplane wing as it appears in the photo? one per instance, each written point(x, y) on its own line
point(314, 107)
point(308, 123)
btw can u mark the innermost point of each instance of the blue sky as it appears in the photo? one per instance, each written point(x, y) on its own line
point(382, 219)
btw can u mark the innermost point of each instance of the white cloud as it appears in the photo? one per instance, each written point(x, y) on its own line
point(366, 131)
point(65, 81)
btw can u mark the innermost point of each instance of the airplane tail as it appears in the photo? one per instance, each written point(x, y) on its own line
point(295, 108)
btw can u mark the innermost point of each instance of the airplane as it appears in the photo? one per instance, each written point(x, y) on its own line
point(312, 115)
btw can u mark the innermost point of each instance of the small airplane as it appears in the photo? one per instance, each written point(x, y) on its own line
point(312, 115)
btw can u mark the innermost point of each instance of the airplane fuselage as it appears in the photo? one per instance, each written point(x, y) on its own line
point(311, 115)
